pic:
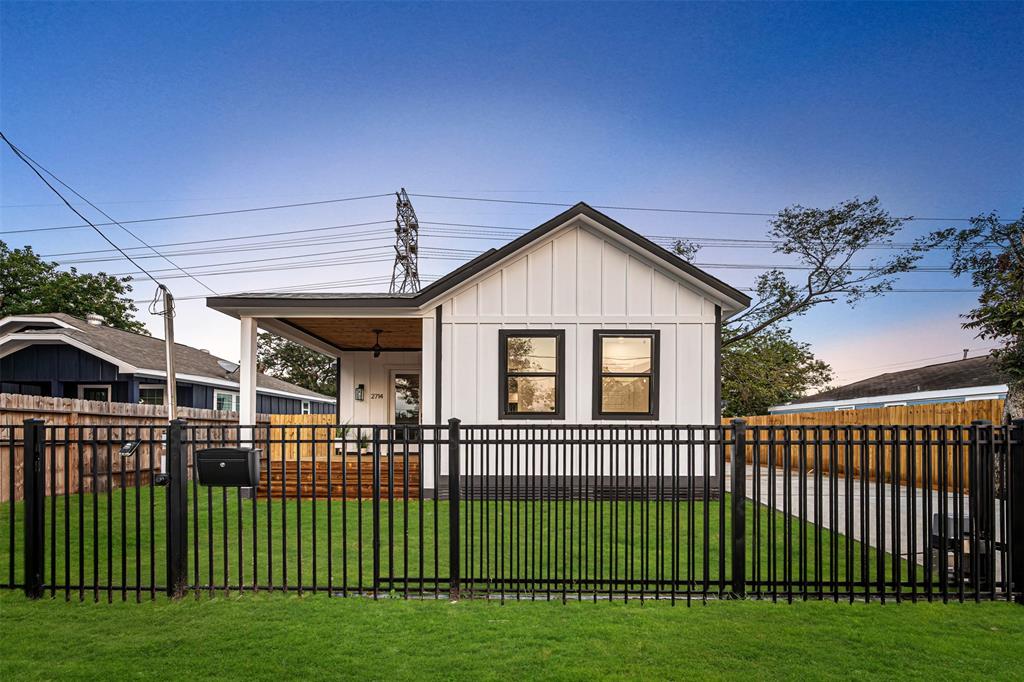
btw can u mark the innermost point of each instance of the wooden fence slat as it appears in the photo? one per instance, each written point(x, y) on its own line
point(932, 414)
point(72, 414)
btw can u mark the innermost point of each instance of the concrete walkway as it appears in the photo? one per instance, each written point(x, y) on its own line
point(884, 541)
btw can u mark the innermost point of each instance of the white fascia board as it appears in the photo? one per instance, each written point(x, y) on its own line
point(896, 397)
point(33, 319)
point(23, 339)
point(227, 383)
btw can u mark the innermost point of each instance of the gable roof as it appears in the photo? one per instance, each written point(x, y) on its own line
point(481, 263)
point(980, 371)
point(146, 354)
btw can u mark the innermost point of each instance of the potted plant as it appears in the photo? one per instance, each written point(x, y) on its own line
point(346, 436)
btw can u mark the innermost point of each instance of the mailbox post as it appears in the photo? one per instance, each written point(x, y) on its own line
point(177, 509)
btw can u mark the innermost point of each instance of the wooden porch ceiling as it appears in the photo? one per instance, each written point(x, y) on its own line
point(356, 333)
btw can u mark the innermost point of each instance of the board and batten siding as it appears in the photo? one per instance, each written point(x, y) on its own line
point(579, 281)
point(360, 367)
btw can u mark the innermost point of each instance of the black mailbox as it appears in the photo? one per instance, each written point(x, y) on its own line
point(228, 467)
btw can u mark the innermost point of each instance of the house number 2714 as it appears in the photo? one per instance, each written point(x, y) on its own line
point(376, 396)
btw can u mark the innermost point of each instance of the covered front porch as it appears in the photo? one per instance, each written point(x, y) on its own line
point(380, 362)
point(384, 378)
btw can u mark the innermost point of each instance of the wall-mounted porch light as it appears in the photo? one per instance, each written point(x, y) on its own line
point(360, 392)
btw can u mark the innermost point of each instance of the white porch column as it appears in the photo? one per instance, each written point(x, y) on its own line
point(247, 373)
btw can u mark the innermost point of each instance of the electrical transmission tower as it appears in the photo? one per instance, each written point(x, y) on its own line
point(405, 276)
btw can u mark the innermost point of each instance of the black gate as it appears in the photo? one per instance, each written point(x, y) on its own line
point(518, 511)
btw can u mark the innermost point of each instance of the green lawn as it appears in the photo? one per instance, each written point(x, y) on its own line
point(271, 636)
point(280, 636)
point(625, 540)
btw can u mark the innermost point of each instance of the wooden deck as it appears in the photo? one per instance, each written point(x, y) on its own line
point(351, 481)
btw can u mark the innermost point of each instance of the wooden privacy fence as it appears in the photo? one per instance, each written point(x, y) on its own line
point(81, 433)
point(825, 438)
point(307, 437)
point(300, 445)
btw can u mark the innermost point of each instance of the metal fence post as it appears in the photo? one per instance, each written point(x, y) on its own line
point(35, 496)
point(738, 460)
point(1015, 490)
point(375, 458)
point(177, 509)
point(982, 491)
point(454, 496)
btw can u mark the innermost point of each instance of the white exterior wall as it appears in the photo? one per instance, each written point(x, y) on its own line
point(579, 281)
point(360, 367)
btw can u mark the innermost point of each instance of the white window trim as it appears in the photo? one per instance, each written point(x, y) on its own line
point(235, 399)
point(307, 407)
point(82, 387)
point(154, 387)
point(894, 405)
point(840, 408)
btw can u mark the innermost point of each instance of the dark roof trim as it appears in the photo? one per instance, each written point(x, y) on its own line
point(486, 260)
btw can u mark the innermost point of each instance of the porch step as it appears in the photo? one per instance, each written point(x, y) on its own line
point(349, 481)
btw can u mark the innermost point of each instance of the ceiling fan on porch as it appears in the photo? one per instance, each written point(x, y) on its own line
point(376, 346)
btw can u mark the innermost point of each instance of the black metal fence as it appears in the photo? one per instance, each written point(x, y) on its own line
point(519, 511)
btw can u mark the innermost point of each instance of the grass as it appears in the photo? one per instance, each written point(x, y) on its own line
point(278, 636)
point(262, 636)
point(636, 541)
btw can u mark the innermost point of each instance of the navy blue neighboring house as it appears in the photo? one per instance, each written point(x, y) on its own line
point(63, 356)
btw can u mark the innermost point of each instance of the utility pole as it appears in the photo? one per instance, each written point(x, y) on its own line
point(172, 384)
point(405, 276)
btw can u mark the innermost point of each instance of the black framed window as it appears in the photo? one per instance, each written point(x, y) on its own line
point(626, 374)
point(531, 374)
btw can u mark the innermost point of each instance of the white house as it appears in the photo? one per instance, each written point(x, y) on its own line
point(580, 320)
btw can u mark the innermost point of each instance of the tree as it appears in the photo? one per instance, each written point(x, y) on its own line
point(992, 254)
point(767, 368)
point(825, 243)
point(29, 284)
point(295, 363)
point(762, 364)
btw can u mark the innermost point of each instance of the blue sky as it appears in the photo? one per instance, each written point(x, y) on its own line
point(164, 109)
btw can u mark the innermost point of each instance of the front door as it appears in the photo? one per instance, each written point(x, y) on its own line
point(405, 403)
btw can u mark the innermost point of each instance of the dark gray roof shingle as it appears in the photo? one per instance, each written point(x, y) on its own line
point(981, 371)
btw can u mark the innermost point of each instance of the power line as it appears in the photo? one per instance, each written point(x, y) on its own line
point(907, 291)
point(53, 189)
point(228, 239)
point(275, 258)
point(362, 281)
point(277, 245)
point(629, 208)
point(438, 196)
point(450, 253)
point(200, 215)
point(107, 216)
point(703, 241)
point(345, 260)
